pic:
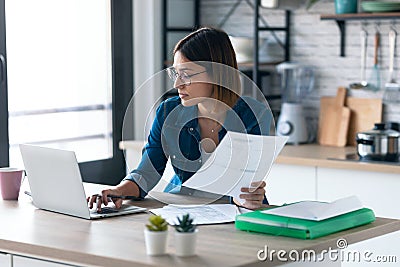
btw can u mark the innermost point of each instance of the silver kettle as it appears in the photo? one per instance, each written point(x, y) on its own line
point(379, 144)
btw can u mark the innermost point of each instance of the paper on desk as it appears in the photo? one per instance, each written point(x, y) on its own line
point(202, 214)
point(315, 210)
point(237, 161)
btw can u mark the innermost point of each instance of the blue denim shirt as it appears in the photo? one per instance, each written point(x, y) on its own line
point(175, 134)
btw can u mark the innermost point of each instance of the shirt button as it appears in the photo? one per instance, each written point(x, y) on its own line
point(191, 129)
point(200, 160)
point(173, 156)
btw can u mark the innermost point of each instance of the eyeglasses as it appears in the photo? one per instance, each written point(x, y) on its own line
point(183, 76)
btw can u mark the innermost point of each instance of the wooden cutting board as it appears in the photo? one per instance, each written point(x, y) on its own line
point(334, 120)
point(364, 113)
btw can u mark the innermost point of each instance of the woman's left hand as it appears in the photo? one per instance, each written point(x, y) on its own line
point(254, 195)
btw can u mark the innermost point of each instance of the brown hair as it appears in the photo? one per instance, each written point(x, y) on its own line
point(213, 45)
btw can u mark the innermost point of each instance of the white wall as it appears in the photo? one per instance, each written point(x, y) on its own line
point(148, 62)
point(147, 59)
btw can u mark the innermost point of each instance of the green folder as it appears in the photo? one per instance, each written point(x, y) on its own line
point(256, 221)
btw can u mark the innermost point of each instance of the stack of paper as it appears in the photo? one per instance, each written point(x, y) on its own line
point(202, 214)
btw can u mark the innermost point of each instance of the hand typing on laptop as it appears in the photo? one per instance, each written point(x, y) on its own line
point(115, 194)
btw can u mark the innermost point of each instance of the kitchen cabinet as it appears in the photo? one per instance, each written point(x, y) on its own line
point(5, 260)
point(378, 191)
point(290, 183)
point(19, 261)
point(342, 18)
point(386, 247)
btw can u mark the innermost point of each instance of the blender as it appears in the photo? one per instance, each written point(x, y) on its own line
point(297, 81)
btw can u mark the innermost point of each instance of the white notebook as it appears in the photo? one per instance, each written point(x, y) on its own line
point(316, 210)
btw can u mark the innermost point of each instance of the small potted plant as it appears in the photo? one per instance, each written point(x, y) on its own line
point(155, 235)
point(185, 236)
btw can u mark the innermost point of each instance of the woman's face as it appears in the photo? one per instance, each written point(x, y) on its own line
point(198, 87)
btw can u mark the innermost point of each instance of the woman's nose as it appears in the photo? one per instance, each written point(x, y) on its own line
point(179, 83)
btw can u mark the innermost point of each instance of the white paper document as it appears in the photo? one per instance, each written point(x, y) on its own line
point(201, 214)
point(237, 161)
point(315, 210)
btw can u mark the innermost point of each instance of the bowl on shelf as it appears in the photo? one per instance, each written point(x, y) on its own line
point(380, 6)
point(243, 47)
point(268, 50)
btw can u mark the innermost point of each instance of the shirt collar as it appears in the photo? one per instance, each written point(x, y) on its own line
point(186, 116)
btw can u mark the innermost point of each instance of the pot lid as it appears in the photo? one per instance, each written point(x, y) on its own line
point(379, 130)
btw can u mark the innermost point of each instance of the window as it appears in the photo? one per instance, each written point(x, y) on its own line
point(69, 79)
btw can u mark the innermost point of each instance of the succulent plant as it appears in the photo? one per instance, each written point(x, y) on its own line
point(185, 224)
point(157, 224)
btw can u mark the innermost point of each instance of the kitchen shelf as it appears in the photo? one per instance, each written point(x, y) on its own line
point(254, 69)
point(257, 29)
point(167, 29)
point(342, 18)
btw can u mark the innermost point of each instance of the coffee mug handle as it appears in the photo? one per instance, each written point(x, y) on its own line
point(23, 176)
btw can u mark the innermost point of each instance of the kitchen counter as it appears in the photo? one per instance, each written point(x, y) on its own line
point(310, 155)
point(330, 157)
point(41, 238)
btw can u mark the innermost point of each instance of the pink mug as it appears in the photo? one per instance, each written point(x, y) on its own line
point(10, 182)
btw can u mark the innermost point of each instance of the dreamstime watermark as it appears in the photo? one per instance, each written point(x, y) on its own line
point(331, 254)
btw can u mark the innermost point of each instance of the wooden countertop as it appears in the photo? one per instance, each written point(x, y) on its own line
point(119, 241)
point(312, 155)
point(330, 157)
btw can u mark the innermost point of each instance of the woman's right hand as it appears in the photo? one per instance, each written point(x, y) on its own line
point(103, 198)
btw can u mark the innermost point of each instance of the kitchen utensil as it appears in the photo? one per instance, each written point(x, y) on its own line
point(375, 79)
point(364, 113)
point(392, 88)
point(392, 43)
point(363, 84)
point(378, 144)
point(334, 120)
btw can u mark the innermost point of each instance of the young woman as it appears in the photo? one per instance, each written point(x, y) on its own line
point(188, 128)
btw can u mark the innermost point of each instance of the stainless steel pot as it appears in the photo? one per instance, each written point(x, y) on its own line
point(378, 144)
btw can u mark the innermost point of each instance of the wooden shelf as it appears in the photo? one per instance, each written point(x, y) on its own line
point(342, 18)
point(245, 65)
point(361, 16)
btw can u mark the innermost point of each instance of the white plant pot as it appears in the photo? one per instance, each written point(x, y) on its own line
point(185, 243)
point(156, 242)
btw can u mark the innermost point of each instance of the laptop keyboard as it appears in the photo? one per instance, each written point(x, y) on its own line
point(107, 210)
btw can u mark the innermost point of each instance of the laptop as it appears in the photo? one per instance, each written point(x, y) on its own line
point(56, 184)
